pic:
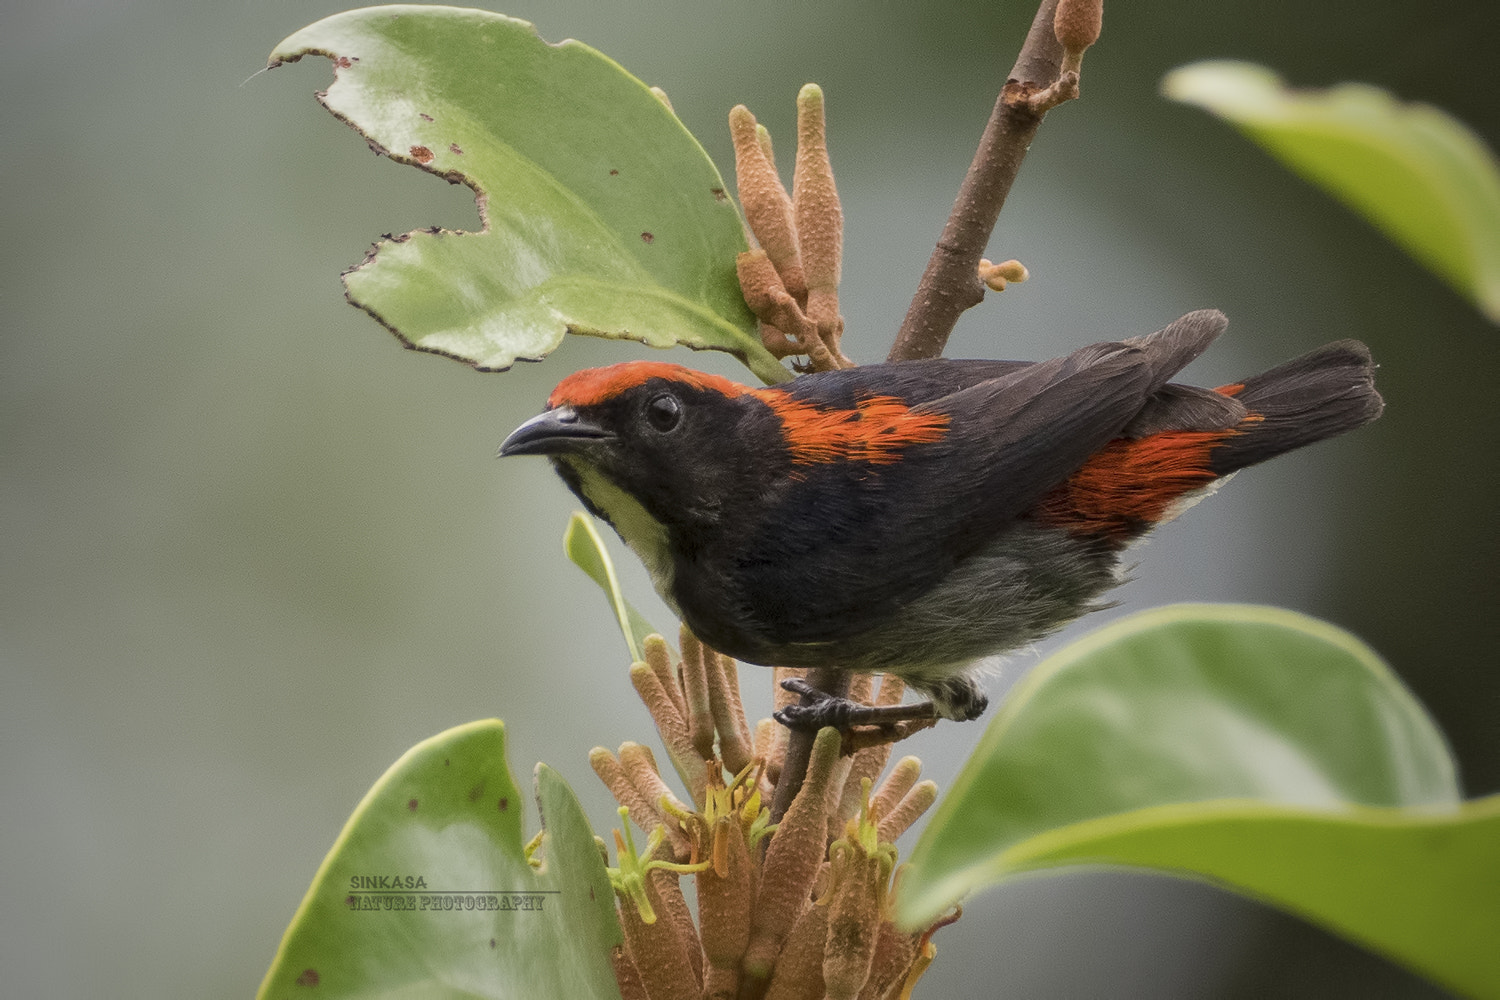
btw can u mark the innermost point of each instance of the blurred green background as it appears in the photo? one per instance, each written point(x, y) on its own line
point(252, 550)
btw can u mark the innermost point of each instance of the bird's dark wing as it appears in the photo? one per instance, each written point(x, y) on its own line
point(912, 382)
point(854, 541)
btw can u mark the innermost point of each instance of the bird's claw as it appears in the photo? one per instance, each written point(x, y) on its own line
point(819, 709)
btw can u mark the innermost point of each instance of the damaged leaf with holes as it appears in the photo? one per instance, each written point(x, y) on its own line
point(601, 213)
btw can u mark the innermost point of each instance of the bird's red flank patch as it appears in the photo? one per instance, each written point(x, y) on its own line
point(1128, 486)
point(877, 430)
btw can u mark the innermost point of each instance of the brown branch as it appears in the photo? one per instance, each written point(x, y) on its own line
point(951, 282)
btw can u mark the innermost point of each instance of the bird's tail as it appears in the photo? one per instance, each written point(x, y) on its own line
point(1317, 396)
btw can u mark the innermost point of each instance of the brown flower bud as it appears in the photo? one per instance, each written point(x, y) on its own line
point(672, 908)
point(726, 896)
point(799, 968)
point(864, 766)
point(820, 217)
point(767, 207)
point(700, 717)
point(658, 656)
point(643, 811)
point(772, 304)
point(764, 737)
point(658, 948)
point(640, 767)
point(908, 811)
point(720, 983)
point(895, 951)
point(1077, 24)
point(673, 729)
point(763, 136)
point(853, 920)
point(778, 343)
point(728, 711)
point(896, 784)
point(820, 224)
point(626, 975)
point(792, 858)
point(759, 283)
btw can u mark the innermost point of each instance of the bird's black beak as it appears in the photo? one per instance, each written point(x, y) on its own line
point(558, 430)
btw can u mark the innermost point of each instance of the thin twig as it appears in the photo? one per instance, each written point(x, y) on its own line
point(951, 282)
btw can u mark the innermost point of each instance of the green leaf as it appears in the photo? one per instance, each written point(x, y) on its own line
point(1146, 742)
point(449, 813)
point(1422, 889)
point(1422, 177)
point(584, 546)
point(602, 214)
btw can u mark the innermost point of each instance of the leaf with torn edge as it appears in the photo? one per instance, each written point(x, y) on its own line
point(602, 214)
point(1421, 176)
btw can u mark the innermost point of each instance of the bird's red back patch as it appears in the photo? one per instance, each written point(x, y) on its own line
point(876, 430)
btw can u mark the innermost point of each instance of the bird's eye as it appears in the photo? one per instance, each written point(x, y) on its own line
point(664, 412)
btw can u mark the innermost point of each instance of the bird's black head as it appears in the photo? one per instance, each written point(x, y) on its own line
point(686, 447)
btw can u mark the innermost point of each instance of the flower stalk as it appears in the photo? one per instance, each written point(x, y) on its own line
point(790, 910)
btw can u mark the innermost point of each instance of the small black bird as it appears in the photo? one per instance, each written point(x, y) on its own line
point(913, 518)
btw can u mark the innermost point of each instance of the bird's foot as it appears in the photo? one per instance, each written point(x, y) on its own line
point(819, 709)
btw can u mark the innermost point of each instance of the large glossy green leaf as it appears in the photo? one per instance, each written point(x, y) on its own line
point(584, 546)
point(482, 922)
point(1422, 889)
point(1422, 177)
point(602, 214)
point(1193, 739)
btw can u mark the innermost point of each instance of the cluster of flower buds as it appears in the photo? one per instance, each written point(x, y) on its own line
point(790, 277)
point(997, 276)
point(794, 910)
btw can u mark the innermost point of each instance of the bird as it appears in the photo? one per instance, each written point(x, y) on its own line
point(918, 518)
